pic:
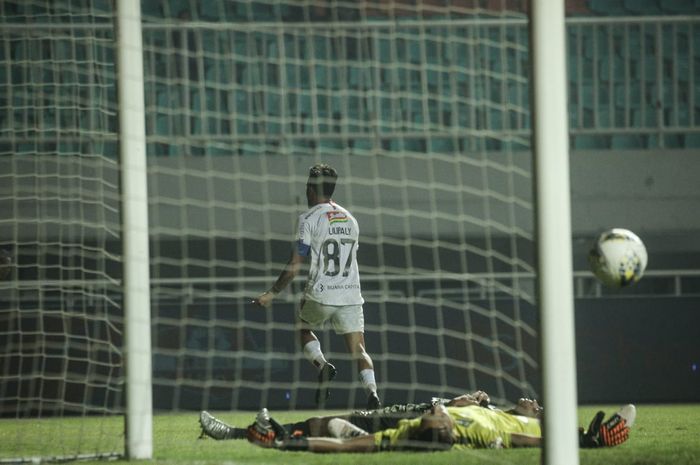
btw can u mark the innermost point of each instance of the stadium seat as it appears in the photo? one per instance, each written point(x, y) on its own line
point(323, 77)
point(679, 6)
point(642, 7)
point(331, 146)
point(414, 54)
point(572, 68)
point(518, 94)
point(605, 115)
point(626, 142)
point(633, 40)
point(240, 47)
point(174, 9)
point(603, 37)
point(494, 92)
point(606, 71)
point(161, 98)
point(674, 141)
point(208, 40)
point(652, 141)
point(196, 122)
point(362, 145)
point(208, 10)
point(162, 125)
point(586, 70)
point(627, 95)
point(321, 47)
point(495, 119)
point(152, 10)
point(647, 116)
point(156, 40)
point(587, 96)
point(680, 114)
point(441, 145)
point(692, 141)
point(669, 141)
point(607, 7)
point(259, 11)
point(683, 69)
point(354, 77)
point(591, 142)
point(650, 94)
point(573, 110)
point(214, 71)
point(461, 54)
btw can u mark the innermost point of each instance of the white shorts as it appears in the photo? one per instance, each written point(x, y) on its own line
point(344, 318)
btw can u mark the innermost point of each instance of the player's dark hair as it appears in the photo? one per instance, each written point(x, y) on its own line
point(322, 179)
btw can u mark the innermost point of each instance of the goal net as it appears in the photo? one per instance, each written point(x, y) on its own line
point(423, 111)
point(60, 310)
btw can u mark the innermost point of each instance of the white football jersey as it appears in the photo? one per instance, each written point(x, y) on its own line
point(328, 233)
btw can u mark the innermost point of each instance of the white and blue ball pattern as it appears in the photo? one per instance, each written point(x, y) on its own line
point(618, 258)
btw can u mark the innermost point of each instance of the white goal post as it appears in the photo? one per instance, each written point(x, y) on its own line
point(553, 200)
point(136, 257)
point(422, 107)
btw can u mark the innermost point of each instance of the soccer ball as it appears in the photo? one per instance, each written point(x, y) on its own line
point(618, 258)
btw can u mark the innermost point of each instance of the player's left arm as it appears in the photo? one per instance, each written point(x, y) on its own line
point(321, 445)
point(612, 432)
point(525, 440)
point(288, 274)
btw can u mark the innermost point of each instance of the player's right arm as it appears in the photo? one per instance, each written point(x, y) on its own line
point(524, 440)
point(357, 444)
point(286, 276)
point(301, 250)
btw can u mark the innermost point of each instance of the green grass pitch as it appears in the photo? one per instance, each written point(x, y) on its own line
point(663, 434)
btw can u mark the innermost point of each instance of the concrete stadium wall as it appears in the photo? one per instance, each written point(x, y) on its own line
point(654, 193)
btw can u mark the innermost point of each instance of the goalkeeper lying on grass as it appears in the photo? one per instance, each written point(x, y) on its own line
point(367, 420)
point(443, 428)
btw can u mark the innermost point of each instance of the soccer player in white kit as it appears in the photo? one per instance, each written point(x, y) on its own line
point(328, 234)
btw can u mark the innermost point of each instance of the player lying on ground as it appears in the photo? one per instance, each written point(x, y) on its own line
point(445, 427)
point(368, 420)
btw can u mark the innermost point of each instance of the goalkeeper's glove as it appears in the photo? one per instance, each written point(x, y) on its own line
point(265, 431)
point(611, 433)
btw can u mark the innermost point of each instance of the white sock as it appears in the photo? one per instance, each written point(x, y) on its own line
point(312, 351)
point(367, 378)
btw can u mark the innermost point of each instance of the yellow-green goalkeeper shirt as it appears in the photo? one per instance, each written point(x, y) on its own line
point(478, 427)
point(475, 427)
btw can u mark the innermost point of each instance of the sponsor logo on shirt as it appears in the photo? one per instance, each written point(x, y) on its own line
point(338, 223)
point(337, 287)
point(335, 217)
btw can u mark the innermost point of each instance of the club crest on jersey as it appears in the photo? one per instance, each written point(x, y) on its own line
point(335, 217)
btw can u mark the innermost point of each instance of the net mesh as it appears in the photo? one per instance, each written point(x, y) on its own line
point(420, 107)
point(60, 311)
point(422, 110)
